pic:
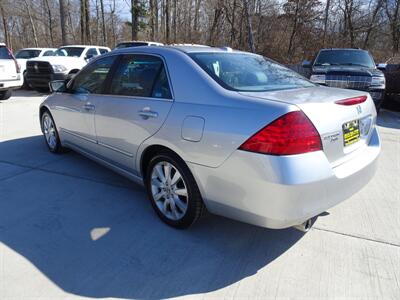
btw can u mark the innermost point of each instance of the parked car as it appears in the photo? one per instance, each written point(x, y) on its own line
point(392, 75)
point(349, 69)
point(136, 44)
point(10, 73)
point(225, 130)
point(24, 54)
point(66, 62)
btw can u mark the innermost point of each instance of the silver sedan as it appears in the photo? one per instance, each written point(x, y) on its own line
point(208, 128)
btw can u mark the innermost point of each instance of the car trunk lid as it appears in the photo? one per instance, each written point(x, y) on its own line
point(337, 124)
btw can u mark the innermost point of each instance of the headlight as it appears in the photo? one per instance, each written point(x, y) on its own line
point(318, 79)
point(378, 81)
point(59, 68)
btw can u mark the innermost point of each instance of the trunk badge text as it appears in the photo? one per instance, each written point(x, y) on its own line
point(359, 109)
point(331, 137)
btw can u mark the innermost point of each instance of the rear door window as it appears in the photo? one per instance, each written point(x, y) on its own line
point(103, 50)
point(140, 75)
point(49, 53)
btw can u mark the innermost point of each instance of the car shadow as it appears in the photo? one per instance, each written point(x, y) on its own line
point(389, 119)
point(94, 238)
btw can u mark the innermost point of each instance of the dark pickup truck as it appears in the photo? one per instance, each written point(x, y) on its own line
point(348, 69)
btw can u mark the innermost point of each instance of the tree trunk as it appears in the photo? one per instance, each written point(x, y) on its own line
point(87, 22)
point(372, 23)
point(103, 23)
point(50, 22)
point(327, 7)
point(167, 21)
point(32, 24)
point(83, 21)
point(294, 29)
point(249, 27)
point(174, 20)
point(151, 20)
point(64, 37)
point(5, 26)
point(135, 19)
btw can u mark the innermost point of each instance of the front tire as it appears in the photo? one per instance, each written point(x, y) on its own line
point(173, 191)
point(4, 95)
point(50, 133)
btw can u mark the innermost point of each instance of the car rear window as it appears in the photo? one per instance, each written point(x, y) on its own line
point(5, 53)
point(133, 44)
point(247, 72)
point(27, 54)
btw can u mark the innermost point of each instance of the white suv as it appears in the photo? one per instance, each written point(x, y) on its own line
point(10, 73)
point(66, 62)
point(23, 55)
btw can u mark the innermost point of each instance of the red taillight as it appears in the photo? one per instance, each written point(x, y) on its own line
point(292, 133)
point(17, 67)
point(352, 101)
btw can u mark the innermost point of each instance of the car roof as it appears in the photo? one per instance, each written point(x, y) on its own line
point(33, 48)
point(148, 42)
point(347, 49)
point(83, 46)
point(181, 49)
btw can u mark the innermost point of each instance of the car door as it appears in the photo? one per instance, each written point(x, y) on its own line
point(75, 109)
point(139, 102)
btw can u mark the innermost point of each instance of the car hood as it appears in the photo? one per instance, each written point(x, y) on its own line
point(58, 60)
point(346, 70)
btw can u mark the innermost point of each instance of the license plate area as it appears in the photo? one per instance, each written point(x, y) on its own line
point(351, 132)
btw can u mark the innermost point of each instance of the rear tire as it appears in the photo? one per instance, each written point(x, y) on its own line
point(4, 95)
point(173, 191)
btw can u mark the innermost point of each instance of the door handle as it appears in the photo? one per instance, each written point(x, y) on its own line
point(146, 113)
point(89, 106)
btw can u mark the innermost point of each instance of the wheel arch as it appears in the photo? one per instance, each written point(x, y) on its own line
point(149, 152)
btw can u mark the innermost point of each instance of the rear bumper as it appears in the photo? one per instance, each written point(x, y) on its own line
point(41, 80)
point(282, 191)
point(10, 84)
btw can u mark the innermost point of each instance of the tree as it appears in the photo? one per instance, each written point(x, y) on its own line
point(63, 23)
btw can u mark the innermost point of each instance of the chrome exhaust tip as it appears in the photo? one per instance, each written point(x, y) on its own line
point(304, 227)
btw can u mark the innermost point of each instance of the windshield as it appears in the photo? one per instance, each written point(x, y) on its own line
point(344, 57)
point(69, 51)
point(27, 54)
point(248, 72)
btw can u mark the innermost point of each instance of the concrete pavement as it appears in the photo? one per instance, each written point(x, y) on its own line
point(70, 229)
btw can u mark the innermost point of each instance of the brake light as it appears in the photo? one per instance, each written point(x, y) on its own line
point(17, 67)
point(352, 101)
point(293, 133)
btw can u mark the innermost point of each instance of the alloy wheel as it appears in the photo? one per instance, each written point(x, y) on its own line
point(169, 190)
point(50, 132)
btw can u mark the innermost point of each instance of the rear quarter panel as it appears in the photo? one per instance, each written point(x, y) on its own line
point(226, 127)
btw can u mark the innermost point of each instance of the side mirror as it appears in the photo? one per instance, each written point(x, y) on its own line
point(306, 64)
point(381, 66)
point(58, 86)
